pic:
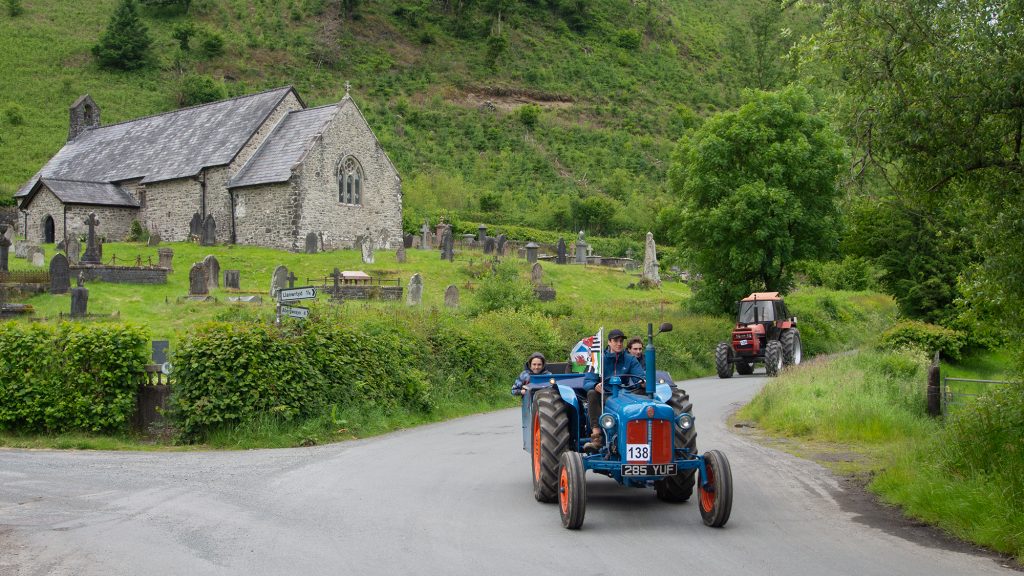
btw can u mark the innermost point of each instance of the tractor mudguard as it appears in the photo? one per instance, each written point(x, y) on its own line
point(663, 394)
point(569, 395)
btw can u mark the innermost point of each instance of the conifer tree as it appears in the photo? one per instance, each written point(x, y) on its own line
point(125, 44)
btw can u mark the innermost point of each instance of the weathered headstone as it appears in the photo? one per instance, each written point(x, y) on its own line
point(9, 234)
point(651, 275)
point(448, 245)
point(537, 274)
point(544, 293)
point(407, 240)
point(74, 250)
point(581, 249)
point(195, 226)
point(500, 245)
point(415, 291)
point(311, 243)
point(489, 245)
point(425, 235)
point(400, 254)
point(561, 256)
point(278, 281)
point(197, 281)
point(531, 251)
point(60, 274)
point(212, 272)
point(5, 247)
point(451, 296)
point(367, 251)
point(166, 256)
point(92, 255)
point(38, 259)
point(209, 237)
point(233, 279)
point(80, 299)
point(154, 239)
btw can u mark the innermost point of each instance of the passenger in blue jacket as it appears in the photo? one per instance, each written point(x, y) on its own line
point(617, 362)
point(535, 366)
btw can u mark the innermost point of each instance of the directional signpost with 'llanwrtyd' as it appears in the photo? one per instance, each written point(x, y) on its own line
point(285, 298)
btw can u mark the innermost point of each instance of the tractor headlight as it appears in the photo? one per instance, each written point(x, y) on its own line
point(607, 421)
point(684, 421)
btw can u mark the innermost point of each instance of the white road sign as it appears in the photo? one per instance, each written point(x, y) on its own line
point(294, 311)
point(304, 293)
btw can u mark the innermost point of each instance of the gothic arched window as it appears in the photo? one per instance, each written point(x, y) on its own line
point(350, 182)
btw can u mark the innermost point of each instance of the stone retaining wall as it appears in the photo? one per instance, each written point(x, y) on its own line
point(121, 274)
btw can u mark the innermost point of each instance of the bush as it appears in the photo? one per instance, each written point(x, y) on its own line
point(70, 376)
point(14, 8)
point(529, 115)
point(628, 39)
point(14, 115)
point(200, 89)
point(850, 273)
point(137, 233)
point(926, 337)
point(212, 44)
point(503, 289)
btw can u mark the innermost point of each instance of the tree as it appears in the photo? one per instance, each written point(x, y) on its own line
point(758, 189)
point(125, 44)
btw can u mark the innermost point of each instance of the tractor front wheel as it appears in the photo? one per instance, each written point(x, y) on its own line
point(716, 496)
point(551, 437)
point(572, 490)
point(792, 349)
point(723, 355)
point(773, 358)
point(679, 488)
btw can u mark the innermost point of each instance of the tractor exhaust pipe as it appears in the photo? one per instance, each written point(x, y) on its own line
point(649, 361)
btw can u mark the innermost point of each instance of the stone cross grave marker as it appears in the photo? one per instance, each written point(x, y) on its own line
point(92, 246)
point(212, 272)
point(651, 274)
point(233, 279)
point(60, 275)
point(451, 296)
point(537, 274)
point(197, 280)
point(311, 243)
point(5, 247)
point(415, 295)
point(209, 237)
point(562, 256)
point(425, 235)
point(278, 280)
point(74, 251)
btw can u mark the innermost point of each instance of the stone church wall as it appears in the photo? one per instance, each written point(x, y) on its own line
point(265, 216)
point(320, 209)
point(44, 203)
point(115, 223)
point(169, 207)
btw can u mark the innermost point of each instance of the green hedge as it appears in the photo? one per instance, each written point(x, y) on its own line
point(69, 376)
point(926, 337)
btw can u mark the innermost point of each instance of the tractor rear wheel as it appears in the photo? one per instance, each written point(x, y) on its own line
point(551, 437)
point(773, 358)
point(679, 488)
point(745, 368)
point(716, 497)
point(723, 355)
point(572, 490)
point(792, 349)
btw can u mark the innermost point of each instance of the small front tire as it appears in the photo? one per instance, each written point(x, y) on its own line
point(773, 358)
point(716, 497)
point(572, 490)
point(723, 357)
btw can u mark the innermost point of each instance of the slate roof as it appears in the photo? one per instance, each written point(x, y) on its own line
point(166, 146)
point(97, 193)
point(285, 147)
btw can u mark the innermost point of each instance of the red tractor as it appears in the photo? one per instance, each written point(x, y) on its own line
point(765, 332)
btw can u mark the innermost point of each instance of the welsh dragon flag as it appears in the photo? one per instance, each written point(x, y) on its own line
point(586, 355)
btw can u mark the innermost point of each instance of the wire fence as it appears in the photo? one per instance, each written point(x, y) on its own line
point(963, 390)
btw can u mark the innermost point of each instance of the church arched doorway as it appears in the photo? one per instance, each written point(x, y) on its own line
point(48, 230)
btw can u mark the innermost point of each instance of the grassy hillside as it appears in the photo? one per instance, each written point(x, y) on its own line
point(608, 86)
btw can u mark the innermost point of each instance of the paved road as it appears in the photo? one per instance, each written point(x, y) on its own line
point(451, 498)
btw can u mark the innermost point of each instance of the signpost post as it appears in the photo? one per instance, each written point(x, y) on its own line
point(287, 296)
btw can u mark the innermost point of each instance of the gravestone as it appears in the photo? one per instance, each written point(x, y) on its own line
point(80, 299)
point(60, 275)
point(407, 240)
point(233, 279)
point(489, 245)
point(38, 259)
point(154, 239)
point(581, 249)
point(9, 234)
point(415, 291)
point(336, 290)
point(448, 245)
point(537, 274)
point(195, 226)
point(425, 235)
point(562, 256)
point(159, 355)
point(400, 254)
point(248, 299)
point(209, 237)
point(500, 244)
point(212, 272)
point(531, 251)
point(62, 246)
point(451, 296)
point(92, 255)
point(367, 251)
point(278, 281)
point(291, 278)
point(197, 281)
point(481, 233)
point(74, 251)
point(651, 275)
point(311, 243)
point(544, 293)
point(166, 256)
point(5, 247)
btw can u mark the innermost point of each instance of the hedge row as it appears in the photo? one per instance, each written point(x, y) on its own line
point(56, 378)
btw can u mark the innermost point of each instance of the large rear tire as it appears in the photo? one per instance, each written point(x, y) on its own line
point(679, 488)
point(572, 490)
point(716, 498)
point(551, 437)
point(792, 348)
point(744, 368)
point(773, 358)
point(723, 355)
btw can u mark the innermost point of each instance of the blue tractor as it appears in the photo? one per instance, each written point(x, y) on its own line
point(650, 440)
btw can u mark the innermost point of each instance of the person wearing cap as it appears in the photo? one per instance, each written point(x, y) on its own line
point(536, 365)
point(617, 362)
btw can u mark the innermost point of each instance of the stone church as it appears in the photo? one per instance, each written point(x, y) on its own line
point(264, 168)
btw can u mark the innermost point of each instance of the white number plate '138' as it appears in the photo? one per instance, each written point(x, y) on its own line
point(638, 452)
